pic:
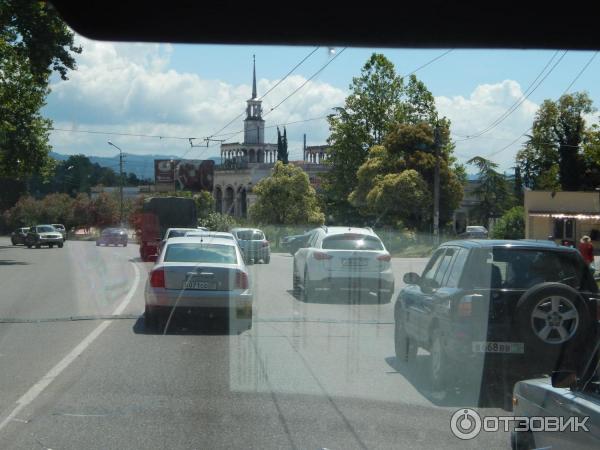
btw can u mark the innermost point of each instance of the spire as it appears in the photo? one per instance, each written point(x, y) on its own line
point(254, 76)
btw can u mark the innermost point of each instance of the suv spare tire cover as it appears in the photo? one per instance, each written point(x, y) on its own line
point(549, 315)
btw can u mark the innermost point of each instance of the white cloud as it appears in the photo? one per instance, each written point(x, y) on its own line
point(486, 104)
point(130, 88)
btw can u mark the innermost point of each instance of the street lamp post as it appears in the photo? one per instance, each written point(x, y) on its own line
point(120, 182)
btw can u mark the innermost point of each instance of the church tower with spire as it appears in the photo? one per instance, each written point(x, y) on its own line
point(254, 125)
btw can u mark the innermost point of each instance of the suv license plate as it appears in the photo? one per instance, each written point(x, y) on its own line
point(204, 285)
point(498, 347)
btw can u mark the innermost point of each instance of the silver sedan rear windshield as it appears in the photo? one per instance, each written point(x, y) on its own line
point(352, 242)
point(201, 253)
point(250, 235)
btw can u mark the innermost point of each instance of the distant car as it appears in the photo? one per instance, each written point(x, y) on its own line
point(43, 235)
point(19, 235)
point(61, 229)
point(176, 232)
point(474, 232)
point(199, 274)
point(343, 259)
point(255, 246)
point(568, 396)
point(507, 310)
point(295, 242)
point(113, 236)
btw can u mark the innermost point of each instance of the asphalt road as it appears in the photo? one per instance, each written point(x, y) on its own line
point(307, 376)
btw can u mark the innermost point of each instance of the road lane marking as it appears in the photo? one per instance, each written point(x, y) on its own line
point(53, 373)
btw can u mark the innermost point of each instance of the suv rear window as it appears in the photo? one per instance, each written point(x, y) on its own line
point(521, 269)
point(201, 253)
point(45, 229)
point(250, 235)
point(352, 242)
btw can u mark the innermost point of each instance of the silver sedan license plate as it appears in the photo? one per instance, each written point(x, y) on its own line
point(203, 285)
point(498, 347)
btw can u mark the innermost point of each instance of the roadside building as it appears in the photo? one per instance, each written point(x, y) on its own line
point(566, 216)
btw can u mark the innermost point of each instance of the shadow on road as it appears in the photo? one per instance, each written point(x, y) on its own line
point(11, 262)
point(459, 394)
point(200, 326)
point(340, 298)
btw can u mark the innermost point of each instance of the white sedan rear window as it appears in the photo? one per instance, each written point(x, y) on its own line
point(352, 242)
point(201, 253)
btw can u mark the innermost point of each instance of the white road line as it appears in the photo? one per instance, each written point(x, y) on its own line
point(43, 383)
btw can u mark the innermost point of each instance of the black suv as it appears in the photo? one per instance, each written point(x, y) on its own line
point(500, 311)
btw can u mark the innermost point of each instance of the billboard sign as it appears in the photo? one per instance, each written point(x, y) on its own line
point(194, 175)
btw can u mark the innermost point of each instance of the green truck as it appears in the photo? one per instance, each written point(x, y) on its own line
point(159, 214)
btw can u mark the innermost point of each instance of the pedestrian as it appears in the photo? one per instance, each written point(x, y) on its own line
point(587, 251)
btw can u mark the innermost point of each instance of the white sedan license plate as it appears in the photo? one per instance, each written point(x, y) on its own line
point(498, 347)
point(204, 285)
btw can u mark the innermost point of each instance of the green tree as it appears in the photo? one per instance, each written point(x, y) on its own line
point(34, 41)
point(511, 225)
point(25, 213)
point(493, 191)
point(286, 198)
point(552, 157)
point(217, 222)
point(395, 183)
point(205, 204)
point(82, 216)
point(378, 101)
point(57, 208)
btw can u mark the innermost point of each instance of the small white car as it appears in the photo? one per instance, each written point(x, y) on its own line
point(201, 275)
point(343, 259)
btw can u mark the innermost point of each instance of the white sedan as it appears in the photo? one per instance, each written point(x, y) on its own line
point(201, 275)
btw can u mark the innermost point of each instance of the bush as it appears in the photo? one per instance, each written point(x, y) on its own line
point(511, 225)
point(217, 222)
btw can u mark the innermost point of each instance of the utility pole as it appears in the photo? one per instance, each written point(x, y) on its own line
point(436, 187)
point(120, 182)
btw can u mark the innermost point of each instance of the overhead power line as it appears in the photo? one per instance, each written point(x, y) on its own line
point(583, 69)
point(429, 62)
point(530, 90)
point(267, 93)
point(117, 133)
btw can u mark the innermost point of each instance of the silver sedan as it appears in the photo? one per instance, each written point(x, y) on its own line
point(199, 275)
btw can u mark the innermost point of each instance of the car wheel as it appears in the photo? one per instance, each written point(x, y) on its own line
point(50, 245)
point(13, 242)
point(28, 245)
point(438, 363)
point(38, 246)
point(295, 284)
point(267, 260)
point(150, 319)
point(406, 350)
point(551, 314)
point(97, 244)
point(60, 245)
point(125, 244)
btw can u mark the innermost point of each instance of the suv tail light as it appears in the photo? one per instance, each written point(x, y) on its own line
point(265, 243)
point(157, 278)
point(241, 280)
point(385, 258)
point(320, 256)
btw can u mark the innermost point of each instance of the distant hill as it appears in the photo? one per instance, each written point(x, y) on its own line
point(141, 165)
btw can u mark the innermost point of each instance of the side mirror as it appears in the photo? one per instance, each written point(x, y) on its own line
point(152, 258)
point(564, 379)
point(411, 278)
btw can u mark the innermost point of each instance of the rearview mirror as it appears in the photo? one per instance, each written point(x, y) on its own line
point(564, 379)
point(411, 278)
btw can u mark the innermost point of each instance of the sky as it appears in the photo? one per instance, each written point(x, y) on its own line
point(182, 91)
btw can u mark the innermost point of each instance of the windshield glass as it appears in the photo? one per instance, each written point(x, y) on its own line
point(201, 253)
point(352, 242)
point(249, 235)
point(45, 229)
point(352, 308)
